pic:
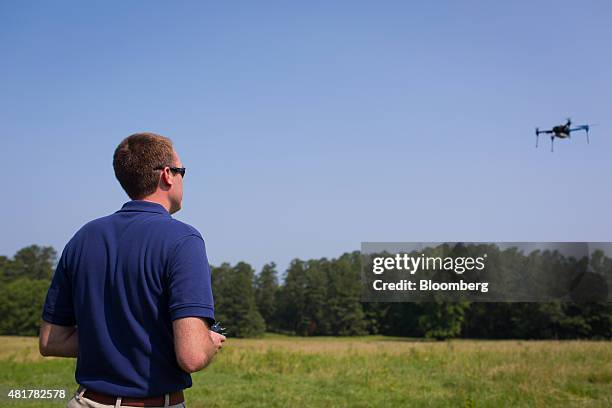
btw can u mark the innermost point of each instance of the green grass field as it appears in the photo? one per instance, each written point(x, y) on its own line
point(371, 371)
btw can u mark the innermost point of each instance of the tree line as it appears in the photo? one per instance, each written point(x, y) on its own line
point(322, 297)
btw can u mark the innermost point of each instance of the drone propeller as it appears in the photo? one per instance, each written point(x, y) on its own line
point(537, 136)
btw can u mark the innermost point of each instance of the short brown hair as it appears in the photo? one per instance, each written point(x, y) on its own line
point(135, 159)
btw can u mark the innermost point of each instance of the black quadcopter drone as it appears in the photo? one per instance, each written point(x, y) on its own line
point(562, 132)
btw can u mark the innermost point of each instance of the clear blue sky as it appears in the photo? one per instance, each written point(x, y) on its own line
point(308, 128)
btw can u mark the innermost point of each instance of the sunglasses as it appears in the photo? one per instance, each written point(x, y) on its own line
point(179, 170)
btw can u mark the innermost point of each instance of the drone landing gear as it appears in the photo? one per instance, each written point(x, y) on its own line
point(552, 143)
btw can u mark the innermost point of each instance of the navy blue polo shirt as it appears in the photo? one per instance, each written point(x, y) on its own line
point(122, 279)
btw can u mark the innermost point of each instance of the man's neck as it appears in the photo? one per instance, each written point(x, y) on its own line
point(164, 202)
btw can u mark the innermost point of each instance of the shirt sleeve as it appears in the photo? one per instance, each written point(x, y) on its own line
point(59, 307)
point(189, 281)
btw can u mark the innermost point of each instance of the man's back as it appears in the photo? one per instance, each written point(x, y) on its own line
point(130, 275)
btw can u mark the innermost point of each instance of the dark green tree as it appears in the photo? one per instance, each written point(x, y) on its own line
point(3, 263)
point(266, 288)
point(33, 262)
point(490, 320)
point(442, 320)
point(235, 303)
point(344, 308)
point(401, 319)
point(292, 299)
point(316, 319)
point(21, 303)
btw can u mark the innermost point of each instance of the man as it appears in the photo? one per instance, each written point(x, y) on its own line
point(131, 297)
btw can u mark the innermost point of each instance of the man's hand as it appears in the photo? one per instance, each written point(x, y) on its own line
point(217, 340)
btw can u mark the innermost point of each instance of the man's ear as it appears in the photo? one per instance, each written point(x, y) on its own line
point(166, 177)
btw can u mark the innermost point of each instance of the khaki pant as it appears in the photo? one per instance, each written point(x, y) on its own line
point(78, 401)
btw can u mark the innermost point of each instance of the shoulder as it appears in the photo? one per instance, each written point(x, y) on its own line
point(183, 228)
point(179, 230)
point(184, 241)
point(87, 235)
point(90, 228)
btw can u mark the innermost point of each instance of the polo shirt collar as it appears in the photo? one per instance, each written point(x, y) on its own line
point(143, 206)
